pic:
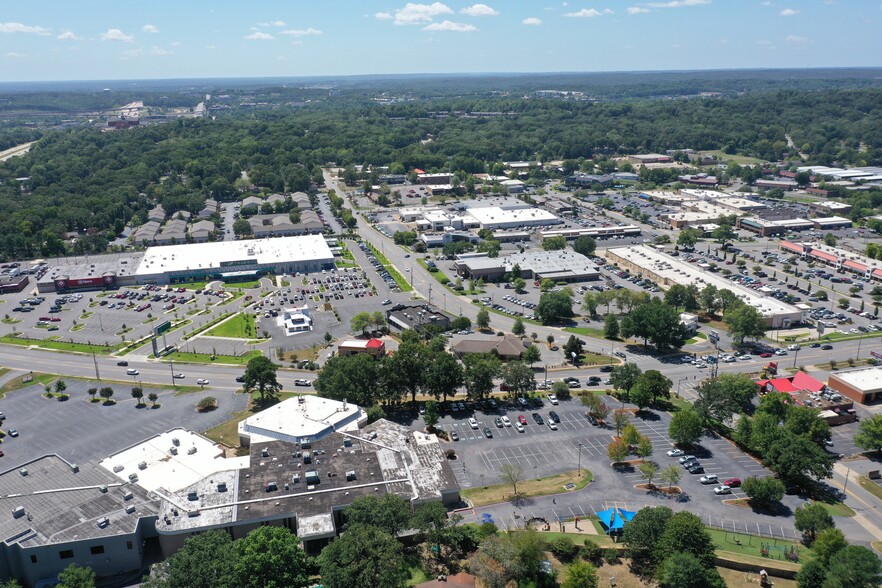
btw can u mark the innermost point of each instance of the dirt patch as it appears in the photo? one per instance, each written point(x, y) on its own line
point(741, 502)
point(672, 491)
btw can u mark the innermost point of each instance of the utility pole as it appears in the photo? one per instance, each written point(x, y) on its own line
point(580, 460)
point(95, 360)
point(171, 367)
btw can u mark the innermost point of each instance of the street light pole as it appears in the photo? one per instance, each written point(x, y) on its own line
point(171, 367)
point(95, 360)
point(580, 460)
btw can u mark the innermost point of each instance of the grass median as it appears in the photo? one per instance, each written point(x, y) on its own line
point(240, 326)
point(185, 357)
point(384, 261)
point(60, 345)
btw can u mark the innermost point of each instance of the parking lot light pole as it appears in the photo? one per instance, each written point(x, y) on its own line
point(171, 367)
point(580, 460)
point(680, 381)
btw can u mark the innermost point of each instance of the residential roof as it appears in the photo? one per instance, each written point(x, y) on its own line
point(505, 346)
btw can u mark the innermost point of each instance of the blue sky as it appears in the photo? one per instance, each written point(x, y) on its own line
point(104, 39)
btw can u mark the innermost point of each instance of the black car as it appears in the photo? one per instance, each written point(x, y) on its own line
point(122, 363)
point(538, 418)
point(690, 464)
point(696, 469)
point(815, 345)
point(240, 379)
point(606, 368)
point(552, 416)
point(488, 433)
point(826, 347)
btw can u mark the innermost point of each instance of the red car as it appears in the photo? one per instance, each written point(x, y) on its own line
point(732, 482)
point(766, 354)
point(522, 419)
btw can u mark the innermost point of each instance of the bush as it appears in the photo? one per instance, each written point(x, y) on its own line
point(592, 552)
point(564, 549)
point(611, 555)
point(375, 413)
point(451, 454)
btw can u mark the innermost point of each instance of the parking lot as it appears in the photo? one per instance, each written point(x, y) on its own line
point(541, 451)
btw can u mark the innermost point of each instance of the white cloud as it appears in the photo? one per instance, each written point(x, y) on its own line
point(413, 13)
point(149, 28)
point(764, 42)
point(796, 39)
point(211, 46)
point(789, 12)
point(589, 13)
point(302, 32)
point(175, 43)
point(17, 27)
point(677, 3)
point(117, 35)
point(68, 36)
point(160, 51)
point(456, 27)
point(532, 21)
point(479, 10)
point(258, 36)
point(638, 10)
point(383, 16)
point(14, 55)
point(281, 58)
point(275, 23)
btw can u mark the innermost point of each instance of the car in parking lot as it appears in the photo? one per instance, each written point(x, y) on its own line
point(506, 421)
point(696, 469)
point(473, 423)
point(202, 382)
point(488, 433)
point(732, 482)
point(522, 401)
point(722, 489)
point(12, 433)
point(454, 436)
point(552, 416)
point(498, 422)
point(522, 419)
point(519, 427)
point(709, 479)
point(552, 398)
point(676, 453)
point(552, 425)
point(686, 458)
point(538, 418)
point(765, 354)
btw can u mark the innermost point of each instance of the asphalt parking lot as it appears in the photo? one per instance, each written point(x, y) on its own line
point(80, 431)
point(541, 451)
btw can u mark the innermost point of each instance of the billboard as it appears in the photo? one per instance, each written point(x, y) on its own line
point(63, 283)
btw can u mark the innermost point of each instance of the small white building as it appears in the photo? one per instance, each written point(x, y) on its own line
point(297, 320)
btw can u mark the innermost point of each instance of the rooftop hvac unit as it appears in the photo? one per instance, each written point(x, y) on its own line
point(23, 471)
point(142, 465)
point(222, 487)
point(102, 488)
point(192, 495)
point(176, 441)
point(118, 468)
point(18, 512)
point(130, 509)
point(103, 522)
point(191, 451)
point(264, 452)
point(173, 450)
point(74, 468)
point(193, 513)
point(133, 477)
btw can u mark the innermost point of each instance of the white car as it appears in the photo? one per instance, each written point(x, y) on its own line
point(179, 376)
point(676, 453)
point(722, 489)
point(202, 382)
point(473, 423)
point(519, 427)
point(708, 479)
point(553, 399)
point(780, 352)
point(302, 383)
point(551, 425)
point(794, 347)
point(744, 357)
point(506, 421)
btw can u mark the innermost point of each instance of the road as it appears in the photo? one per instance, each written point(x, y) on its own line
point(17, 150)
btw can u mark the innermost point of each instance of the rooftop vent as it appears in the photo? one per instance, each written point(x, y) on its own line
point(103, 522)
point(130, 509)
point(128, 496)
point(23, 471)
point(102, 488)
point(18, 512)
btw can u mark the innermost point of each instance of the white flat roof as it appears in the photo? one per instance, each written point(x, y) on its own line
point(684, 273)
point(301, 417)
point(493, 215)
point(192, 256)
point(866, 379)
point(168, 471)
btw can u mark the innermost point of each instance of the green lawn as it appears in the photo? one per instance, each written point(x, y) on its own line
point(739, 159)
point(192, 285)
point(403, 284)
point(750, 545)
point(837, 509)
point(483, 495)
point(207, 326)
point(242, 285)
point(237, 294)
point(870, 486)
point(60, 345)
point(184, 357)
point(586, 331)
point(240, 326)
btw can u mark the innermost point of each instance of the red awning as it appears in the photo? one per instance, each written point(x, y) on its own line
point(791, 246)
point(783, 385)
point(822, 255)
point(803, 381)
point(877, 273)
point(855, 266)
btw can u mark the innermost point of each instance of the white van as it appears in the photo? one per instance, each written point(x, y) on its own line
point(132, 372)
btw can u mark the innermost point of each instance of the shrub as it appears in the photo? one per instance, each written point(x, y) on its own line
point(611, 555)
point(592, 552)
point(564, 549)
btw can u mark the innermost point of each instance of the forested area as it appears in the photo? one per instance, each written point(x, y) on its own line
point(87, 179)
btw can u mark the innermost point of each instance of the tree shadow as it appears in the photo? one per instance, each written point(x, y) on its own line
point(777, 509)
point(648, 416)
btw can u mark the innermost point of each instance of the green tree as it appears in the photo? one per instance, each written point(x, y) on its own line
point(670, 475)
point(763, 492)
point(854, 566)
point(260, 375)
point(686, 427)
point(624, 377)
point(642, 536)
point(827, 543)
point(830, 240)
point(241, 227)
point(496, 562)
point(138, 394)
point(153, 397)
point(648, 471)
point(611, 327)
point(519, 284)
point(680, 296)
point(688, 237)
point(406, 370)
point(813, 574)
point(744, 321)
point(74, 576)
point(352, 377)
point(555, 307)
point(432, 414)
point(363, 556)
point(580, 574)
point(812, 519)
point(518, 376)
point(685, 533)
point(639, 395)
point(617, 450)
point(480, 369)
point(573, 349)
point(654, 384)
point(490, 246)
point(709, 299)
point(518, 327)
point(444, 375)
point(206, 560)
point(60, 386)
point(797, 459)
point(685, 570)
point(657, 324)
point(388, 512)
point(720, 398)
point(723, 233)
point(869, 434)
point(360, 322)
point(554, 243)
point(585, 245)
point(531, 355)
point(106, 393)
point(483, 319)
point(271, 557)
